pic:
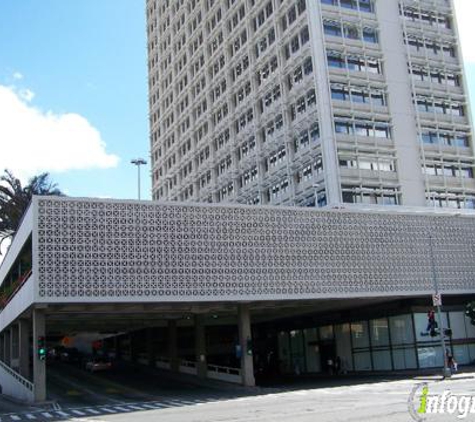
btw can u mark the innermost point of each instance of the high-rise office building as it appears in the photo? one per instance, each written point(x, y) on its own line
point(300, 101)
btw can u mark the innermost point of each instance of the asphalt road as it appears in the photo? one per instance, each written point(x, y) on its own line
point(144, 396)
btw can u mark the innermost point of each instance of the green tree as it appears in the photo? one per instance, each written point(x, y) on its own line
point(15, 198)
point(470, 311)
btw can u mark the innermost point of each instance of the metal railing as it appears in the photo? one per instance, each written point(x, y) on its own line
point(23, 381)
point(224, 370)
point(5, 298)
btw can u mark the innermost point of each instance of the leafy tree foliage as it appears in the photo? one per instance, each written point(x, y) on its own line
point(15, 198)
point(470, 312)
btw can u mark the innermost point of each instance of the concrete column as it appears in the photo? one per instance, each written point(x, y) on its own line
point(24, 348)
point(327, 131)
point(39, 366)
point(173, 345)
point(2, 349)
point(200, 346)
point(400, 103)
point(14, 347)
point(7, 346)
point(245, 335)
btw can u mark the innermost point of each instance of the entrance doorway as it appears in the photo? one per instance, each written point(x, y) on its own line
point(327, 354)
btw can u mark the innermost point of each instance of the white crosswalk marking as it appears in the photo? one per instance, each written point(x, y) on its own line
point(15, 418)
point(122, 409)
point(61, 413)
point(78, 412)
point(94, 412)
point(30, 416)
point(152, 406)
point(106, 409)
point(135, 407)
point(47, 415)
point(174, 402)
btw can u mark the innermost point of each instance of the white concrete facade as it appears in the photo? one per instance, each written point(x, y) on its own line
point(304, 101)
point(168, 257)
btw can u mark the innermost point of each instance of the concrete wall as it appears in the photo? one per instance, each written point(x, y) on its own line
point(122, 251)
point(14, 385)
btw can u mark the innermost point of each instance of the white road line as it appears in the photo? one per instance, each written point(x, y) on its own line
point(94, 412)
point(61, 413)
point(47, 415)
point(152, 406)
point(122, 409)
point(77, 412)
point(174, 402)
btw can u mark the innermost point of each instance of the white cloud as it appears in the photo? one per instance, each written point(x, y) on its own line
point(33, 140)
point(27, 95)
point(465, 10)
point(17, 76)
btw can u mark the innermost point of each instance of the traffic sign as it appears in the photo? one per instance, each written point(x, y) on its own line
point(437, 299)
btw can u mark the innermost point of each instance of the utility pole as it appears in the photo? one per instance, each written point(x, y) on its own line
point(446, 371)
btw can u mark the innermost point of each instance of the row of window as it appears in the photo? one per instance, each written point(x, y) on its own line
point(431, 46)
point(444, 138)
point(425, 16)
point(448, 170)
point(300, 106)
point(363, 128)
point(296, 43)
point(354, 63)
point(370, 195)
point(439, 106)
point(350, 31)
point(437, 76)
point(297, 75)
point(357, 94)
point(451, 200)
point(293, 13)
point(361, 5)
point(309, 171)
point(375, 164)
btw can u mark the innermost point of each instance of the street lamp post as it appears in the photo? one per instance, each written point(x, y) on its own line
point(138, 162)
point(446, 371)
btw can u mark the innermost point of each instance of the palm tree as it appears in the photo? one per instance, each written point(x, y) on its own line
point(14, 199)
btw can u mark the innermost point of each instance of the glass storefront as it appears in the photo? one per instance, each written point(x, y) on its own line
point(382, 344)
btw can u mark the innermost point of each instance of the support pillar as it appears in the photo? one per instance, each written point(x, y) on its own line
point(39, 366)
point(24, 348)
point(200, 347)
point(14, 347)
point(7, 337)
point(2, 348)
point(173, 345)
point(245, 339)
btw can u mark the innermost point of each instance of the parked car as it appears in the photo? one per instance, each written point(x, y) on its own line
point(98, 364)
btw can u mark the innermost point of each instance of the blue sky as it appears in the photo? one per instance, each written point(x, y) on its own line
point(81, 66)
point(73, 78)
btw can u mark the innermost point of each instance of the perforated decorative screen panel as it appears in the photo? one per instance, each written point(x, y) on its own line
point(101, 251)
